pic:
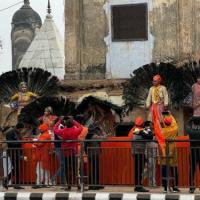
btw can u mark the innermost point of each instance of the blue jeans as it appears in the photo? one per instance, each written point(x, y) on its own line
point(61, 170)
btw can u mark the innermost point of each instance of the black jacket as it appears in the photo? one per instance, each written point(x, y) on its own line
point(12, 134)
point(140, 147)
point(192, 128)
point(94, 133)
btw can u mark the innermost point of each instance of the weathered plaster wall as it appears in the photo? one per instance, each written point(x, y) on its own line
point(174, 35)
point(175, 25)
point(123, 57)
point(86, 27)
point(72, 38)
point(93, 47)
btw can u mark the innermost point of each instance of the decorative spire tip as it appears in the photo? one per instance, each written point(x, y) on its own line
point(26, 2)
point(49, 7)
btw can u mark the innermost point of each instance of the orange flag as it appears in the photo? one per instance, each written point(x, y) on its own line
point(157, 128)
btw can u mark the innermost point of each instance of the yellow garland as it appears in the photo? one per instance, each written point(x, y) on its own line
point(156, 96)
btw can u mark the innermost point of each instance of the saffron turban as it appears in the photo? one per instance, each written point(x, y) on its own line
point(168, 120)
point(139, 121)
point(157, 77)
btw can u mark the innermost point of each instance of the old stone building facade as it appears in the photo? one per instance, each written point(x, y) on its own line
point(91, 51)
point(85, 49)
point(108, 39)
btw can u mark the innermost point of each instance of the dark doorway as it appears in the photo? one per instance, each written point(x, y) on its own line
point(122, 129)
point(187, 114)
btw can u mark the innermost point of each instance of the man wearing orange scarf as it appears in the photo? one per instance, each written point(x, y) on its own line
point(43, 156)
point(157, 101)
point(157, 97)
point(170, 131)
point(138, 150)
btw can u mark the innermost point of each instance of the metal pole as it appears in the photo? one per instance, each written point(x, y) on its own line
point(81, 167)
point(167, 164)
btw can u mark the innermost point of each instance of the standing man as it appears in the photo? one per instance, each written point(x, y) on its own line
point(43, 157)
point(170, 131)
point(196, 97)
point(93, 150)
point(193, 130)
point(157, 97)
point(157, 101)
point(15, 153)
point(138, 151)
point(71, 131)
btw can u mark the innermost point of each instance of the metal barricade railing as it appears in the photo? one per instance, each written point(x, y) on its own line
point(135, 163)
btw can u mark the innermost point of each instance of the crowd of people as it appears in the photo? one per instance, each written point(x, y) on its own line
point(147, 152)
point(162, 126)
point(58, 130)
point(63, 131)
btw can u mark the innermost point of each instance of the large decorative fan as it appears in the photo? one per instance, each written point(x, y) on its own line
point(136, 90)
point(39, 82)
point(60, 105)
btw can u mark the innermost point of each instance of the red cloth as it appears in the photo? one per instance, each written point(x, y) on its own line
point(43, 150)
point(157, 127)
point(48, 120)
point(43, 128)
point(69, 148)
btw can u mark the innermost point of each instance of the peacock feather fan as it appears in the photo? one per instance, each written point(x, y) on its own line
point(136, 90)
point(60, 105)
point(190, 72)
point(39, 82)
point(104, 104)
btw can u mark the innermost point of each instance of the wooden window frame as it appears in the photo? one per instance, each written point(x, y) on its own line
point(129, 39)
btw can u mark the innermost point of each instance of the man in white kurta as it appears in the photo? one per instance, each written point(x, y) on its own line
point(157, 97)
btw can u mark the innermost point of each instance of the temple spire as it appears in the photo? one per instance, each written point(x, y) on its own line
point(49, 7)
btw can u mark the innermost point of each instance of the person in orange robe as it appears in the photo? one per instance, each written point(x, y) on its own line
point(43, 156)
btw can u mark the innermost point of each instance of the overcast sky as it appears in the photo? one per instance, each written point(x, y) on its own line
point(39, 6)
